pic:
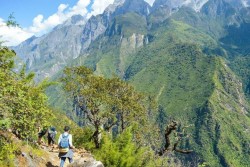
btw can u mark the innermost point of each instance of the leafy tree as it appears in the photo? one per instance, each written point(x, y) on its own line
point(106, 102)
point(90, 95)
point(126, 102)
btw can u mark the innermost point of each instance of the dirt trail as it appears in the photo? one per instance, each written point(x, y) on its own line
point(54, 161)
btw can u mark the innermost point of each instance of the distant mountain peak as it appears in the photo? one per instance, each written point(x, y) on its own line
point(124, 6)
point(195, 4)
point(75, 20)
point(119, 1)
point(112, 7)
point(245, 3)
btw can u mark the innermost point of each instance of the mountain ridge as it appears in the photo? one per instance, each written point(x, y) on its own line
point(87, 31)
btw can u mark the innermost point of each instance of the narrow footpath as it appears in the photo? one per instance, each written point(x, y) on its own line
point(82, 158)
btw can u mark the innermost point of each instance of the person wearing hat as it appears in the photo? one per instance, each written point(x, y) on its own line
point(51, 136)
point(65, 146)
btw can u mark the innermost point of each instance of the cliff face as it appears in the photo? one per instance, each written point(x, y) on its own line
point(48, 54)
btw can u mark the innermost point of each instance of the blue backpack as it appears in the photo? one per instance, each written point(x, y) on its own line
point(64, 143)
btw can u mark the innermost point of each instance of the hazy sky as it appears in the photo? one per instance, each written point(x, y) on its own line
point(37, 17)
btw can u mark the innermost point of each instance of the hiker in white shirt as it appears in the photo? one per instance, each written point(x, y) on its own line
point(65, 146)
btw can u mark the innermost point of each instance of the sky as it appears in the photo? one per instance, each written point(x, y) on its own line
point(37, 17)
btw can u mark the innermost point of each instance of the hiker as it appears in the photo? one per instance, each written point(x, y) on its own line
point(51, 136)
point(65, 146)
point(41, 133)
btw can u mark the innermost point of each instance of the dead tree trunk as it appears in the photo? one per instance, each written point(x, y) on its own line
point(169, 130)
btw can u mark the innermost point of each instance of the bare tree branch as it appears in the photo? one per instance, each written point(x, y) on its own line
point(169, 130)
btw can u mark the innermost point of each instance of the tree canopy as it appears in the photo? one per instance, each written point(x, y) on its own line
point(105, 102)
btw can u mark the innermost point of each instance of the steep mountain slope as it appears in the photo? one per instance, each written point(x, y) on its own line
point(173, 60)
point(226, 117)
point(125, 34)
point(204, 92)
point(227, 21)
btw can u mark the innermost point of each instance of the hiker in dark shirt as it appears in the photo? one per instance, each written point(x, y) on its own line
point(41, 133)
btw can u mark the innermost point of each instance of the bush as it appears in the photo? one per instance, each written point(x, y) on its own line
point(123, 152)
point(82, 138)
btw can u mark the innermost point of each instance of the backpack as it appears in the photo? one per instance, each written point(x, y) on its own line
point(52, 133)
point(64, 143)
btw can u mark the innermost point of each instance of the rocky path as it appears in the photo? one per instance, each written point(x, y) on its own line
point(82, 158)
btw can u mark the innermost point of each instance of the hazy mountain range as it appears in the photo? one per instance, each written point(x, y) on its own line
point(72, 38)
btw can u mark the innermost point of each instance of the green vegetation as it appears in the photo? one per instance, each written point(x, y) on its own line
point(23, 102)
point(8, 150)
point(129, 24)
point(241, 66)
point(23, 105)
point(184, 75)
point(123, 152)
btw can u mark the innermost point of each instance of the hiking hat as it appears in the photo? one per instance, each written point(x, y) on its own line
point(66, 128)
